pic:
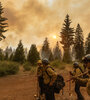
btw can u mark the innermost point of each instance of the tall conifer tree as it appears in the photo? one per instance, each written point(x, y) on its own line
point(51, 57)
point(3, 23)
point(19, 53)
point(11, 57)
point(79, 43)
point(57, 52)
point(67, 41)
point(33, 55)
point(6, 57)
point(87, 44)
point(45, 52)
point(1, 55)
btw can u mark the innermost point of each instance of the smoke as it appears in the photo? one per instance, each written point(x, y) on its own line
point(33, 20)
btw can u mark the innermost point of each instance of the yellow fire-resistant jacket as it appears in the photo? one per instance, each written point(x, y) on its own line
point(48, 74)
point(88, 87)
point(87, 82)
point(77, 71)
point(40, 70)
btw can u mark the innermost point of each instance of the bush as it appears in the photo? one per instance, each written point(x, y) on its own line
point(55, 63)
point(27, 66)
point(58, 64)
point(13, 68)
point(3, 71)
point(8, 68)
point(33, 69)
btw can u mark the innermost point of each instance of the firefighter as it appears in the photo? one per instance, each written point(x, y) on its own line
point(76, 71)
point(49, 77)
point(86, 62)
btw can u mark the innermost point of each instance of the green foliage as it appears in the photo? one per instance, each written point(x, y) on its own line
point(67, 56)
point(1, 55)
point(67, 33)
point(55, 63)
point(51, 58)
point(87, 44)
point(57, 52)
point(3, 24)
point(8, 68)
point(58, 64)
point(33, 70)
point(33, 55)
point(67, 41)
point(79, 43)
point(11, 57)
point(45, 51)
point(6, 56)
point(19, 54)
point(27, 66)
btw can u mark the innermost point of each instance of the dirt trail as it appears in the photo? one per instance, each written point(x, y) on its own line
point(23, 87)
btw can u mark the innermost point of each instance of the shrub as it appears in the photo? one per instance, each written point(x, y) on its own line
point(33, 69)
point(55, 63)
point(27, 66)
point(3, 71)
point(58, 64)
point(13, 68)
point(8, 68)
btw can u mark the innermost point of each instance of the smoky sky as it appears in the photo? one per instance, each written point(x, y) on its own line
point(33, 20)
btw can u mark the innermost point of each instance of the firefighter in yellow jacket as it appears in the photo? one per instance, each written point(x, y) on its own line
point(86, 61)
point(40, 68)
point(77, 70)
point(48, 76)
point(40, 79)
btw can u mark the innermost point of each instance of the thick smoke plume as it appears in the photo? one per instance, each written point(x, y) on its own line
point(33, 20)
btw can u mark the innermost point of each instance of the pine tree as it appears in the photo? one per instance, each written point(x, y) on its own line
point(1, 55)
point(79, 43)
point(11, 57)
point(87, 44)
point(33, 55)
point(67, 41)
point(19, 53)
point(73, 53)
point(57, 52)
point(45, 51)
point(3, 24)
point(51, 58)
point(6, 57)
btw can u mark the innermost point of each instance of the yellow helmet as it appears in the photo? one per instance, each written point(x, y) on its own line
point(39, 62)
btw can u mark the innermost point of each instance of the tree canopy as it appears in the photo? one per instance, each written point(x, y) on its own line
point(3, 23)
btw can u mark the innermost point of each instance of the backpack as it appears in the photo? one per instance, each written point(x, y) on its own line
point(59, 82)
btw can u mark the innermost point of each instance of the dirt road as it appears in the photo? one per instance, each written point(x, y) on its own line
point(23, 87)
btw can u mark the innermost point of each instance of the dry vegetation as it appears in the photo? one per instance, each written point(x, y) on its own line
point(23, 86)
